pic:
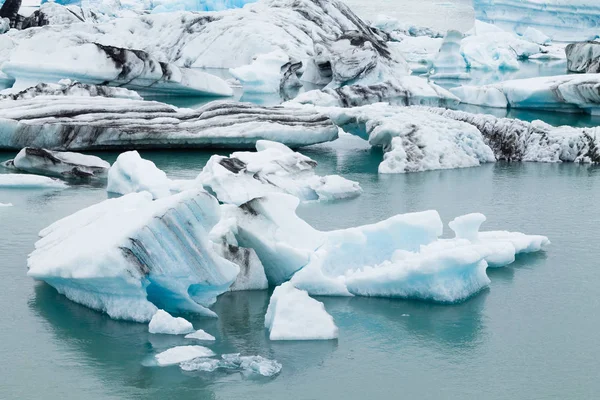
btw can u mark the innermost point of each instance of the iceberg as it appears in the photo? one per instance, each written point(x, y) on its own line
point(130, 256)
point(98, 123)
point(234, 363)
point(515, 140)
point(583, 57)
point(564, 93)
point(293, 315)
point(132, 174)
point(10, 11)
point(273, 168)
point(163, 322)
point(58, 164)
point(405, 91)
point(180, 354)
point(200, 335)
point(6, 205)
point(269, 73)
point(66, 87)
point(449, 62)
point(55, 14)
point(419, 52)
point(159, 6)
point(26, 181)
point(565, 20)
point(413, 139)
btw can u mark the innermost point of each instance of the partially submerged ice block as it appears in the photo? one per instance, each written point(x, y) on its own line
point(131, 173)
point(131, 255)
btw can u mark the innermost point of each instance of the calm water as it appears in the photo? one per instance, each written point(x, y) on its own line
point(532, 335)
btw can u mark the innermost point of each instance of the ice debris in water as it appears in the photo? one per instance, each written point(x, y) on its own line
point(58, 163)
point(181, 354)
point(293, 315)
point(163, 322)
point(26, 181)
point(6, 205)
point(200, 335)
point(273, 168)
point(234, 363)
point(131, 173)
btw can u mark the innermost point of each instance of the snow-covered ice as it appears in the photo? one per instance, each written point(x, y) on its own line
point(130, 173)
point(200, 335)
point(163, 322)
point(180, 354)
point(293, 315)
point(130, 256)
point(57, 163)
point(273, 168)
point(234, 363)
point(91, 123)
point(566, 93)
point(27, 181)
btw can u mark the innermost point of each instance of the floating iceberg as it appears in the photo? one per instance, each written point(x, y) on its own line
point(131, 173)
point(583, 57)
point(566, 93)
point(200, 335)
point(273, 168)
point(269, 73)
point(413, 139)
point(293, 315)
point(163, 322)
point(159, 6)
point(449, 63)
point(66, 87)
point(10, 11)
point(59, 164)
point(560, 19)
point(92, 123)
point(419, 52)
point(180, 354)
point(55, 14)
point(515, 140)
point(26, 181)
point(131, 255)
point(234, 363)
point(6, 205)
point(405, 91)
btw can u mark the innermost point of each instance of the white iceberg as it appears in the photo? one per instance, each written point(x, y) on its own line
point(293, 315)
point(234, 363)
point(163, 322)
point(449, 62)
point(268, 73)
point(26, 181)
point(273, 168)
point(200, 335)
point(67, 87)
point(565, 93)
point(6, 205)
point(131, 173)
point(59, 164)
point(180, 354)
point(130, 256)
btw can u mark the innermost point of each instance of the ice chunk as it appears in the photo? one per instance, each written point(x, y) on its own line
point(535, 36)
point(67, 87)
point(131, 173)
point(267, 73)
point(565, 20)
point(87, 123)
point(160, 6)
point(131, 255)
point(200, 335)
point(60, 164)
point(163, 322)
point(26, 181)
point(583, 57)
point(419, 52)
point(233, 363)
point(515, 140)
point(565, 93)
point(4, 25)
point(181, 354)
point(6, 205)
point(449, 63)
point(273, 168)
point(293, 315)
point(467, 226)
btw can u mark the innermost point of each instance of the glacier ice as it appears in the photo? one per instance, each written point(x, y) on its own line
point(269, 73)
point(27, 181)
point(180, 354)
point(449, 62)
point(67, 87)
point(130, 173)
point(515, 140)
point(58, 163)
point(566, 93)
point(91, 123)
point(273, 168)
point(200, 335)
point(131, 255)
point(583, 57)
point(159, 6)
point(163, 322)
point(293, 315)
point(405, 91)
point(566, 20)
point(412, 139)
point(233, 363)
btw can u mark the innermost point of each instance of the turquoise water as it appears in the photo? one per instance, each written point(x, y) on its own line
point(531, 335)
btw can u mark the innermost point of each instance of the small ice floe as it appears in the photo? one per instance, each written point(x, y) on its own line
point(163, 322)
